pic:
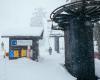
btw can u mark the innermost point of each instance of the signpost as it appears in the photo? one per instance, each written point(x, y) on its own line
point(21, 42)
point(24, 42)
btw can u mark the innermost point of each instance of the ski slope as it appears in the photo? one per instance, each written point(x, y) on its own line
point(49, 67)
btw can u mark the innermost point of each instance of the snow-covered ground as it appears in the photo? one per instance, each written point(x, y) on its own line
point(97, 67)
point(49, 67)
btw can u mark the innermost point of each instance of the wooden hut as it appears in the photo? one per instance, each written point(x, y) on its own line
point(24, 44)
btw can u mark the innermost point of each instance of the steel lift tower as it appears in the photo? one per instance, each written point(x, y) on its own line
point(77, 20)
point(56, 39)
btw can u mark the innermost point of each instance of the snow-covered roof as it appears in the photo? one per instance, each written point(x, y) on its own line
point(27, 31)
point(57, 32)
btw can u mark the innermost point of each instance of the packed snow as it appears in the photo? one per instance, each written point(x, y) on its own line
point(49, 67)
point(97, 67)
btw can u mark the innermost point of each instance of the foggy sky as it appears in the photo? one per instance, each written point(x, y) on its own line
point(17, 13)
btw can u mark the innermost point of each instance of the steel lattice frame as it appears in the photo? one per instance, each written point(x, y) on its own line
point(63, 14)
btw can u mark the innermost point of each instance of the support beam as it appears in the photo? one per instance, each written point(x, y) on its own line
point(57, 44)
point(79, 52)
point(97, 34)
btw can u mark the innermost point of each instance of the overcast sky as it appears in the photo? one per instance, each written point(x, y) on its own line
point(17, 13)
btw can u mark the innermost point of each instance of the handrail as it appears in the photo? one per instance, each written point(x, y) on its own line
point(62, 7)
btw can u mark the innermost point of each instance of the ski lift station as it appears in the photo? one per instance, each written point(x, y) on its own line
point(23, 44)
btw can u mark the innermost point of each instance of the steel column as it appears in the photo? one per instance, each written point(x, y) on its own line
point(79, 51)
